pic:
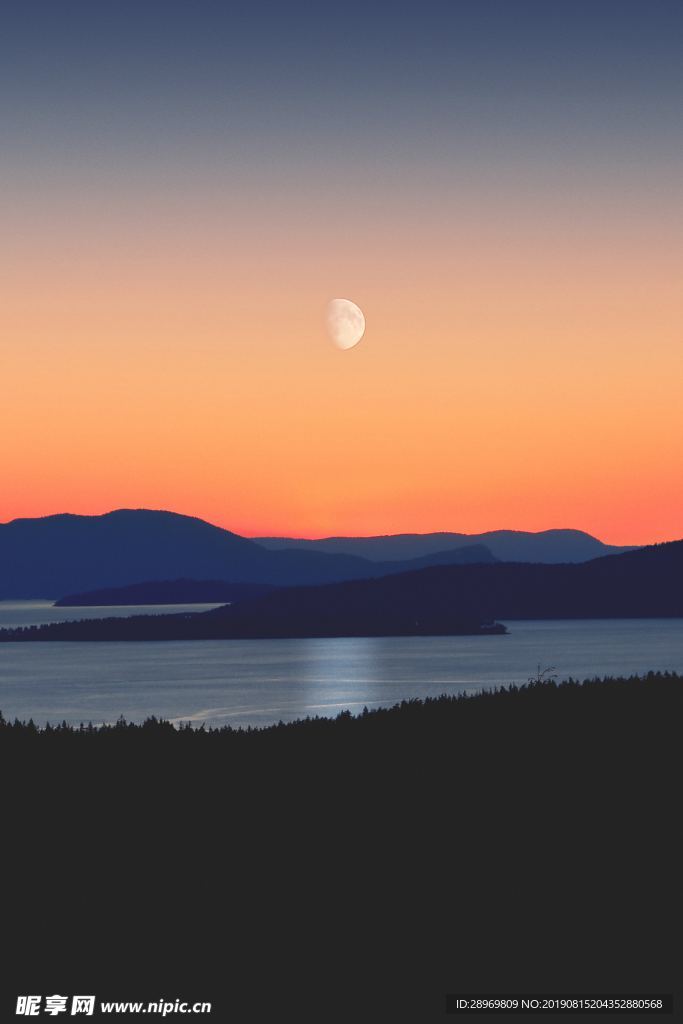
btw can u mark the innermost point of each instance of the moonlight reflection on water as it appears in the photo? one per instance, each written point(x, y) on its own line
point(259, 682)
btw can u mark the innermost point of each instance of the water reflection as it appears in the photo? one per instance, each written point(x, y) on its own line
point(258, 682)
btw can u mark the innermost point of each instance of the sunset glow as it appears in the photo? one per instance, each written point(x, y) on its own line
point(165, 275)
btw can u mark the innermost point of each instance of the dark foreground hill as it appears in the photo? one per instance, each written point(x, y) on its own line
point(444, 600)
point(641, 583)
point(356, 869)
point(548, 546)
point(68, 554)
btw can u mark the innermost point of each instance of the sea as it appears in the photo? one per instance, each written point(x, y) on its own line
point(255, 683)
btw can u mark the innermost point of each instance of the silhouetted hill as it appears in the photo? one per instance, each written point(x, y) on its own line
point(206, 591)
point(433, 601)
point(473, 554)
point(354, 869)
point(166, 592)
point(67, 554)
point(640, 583)
point(550, 546)
point(357, 608)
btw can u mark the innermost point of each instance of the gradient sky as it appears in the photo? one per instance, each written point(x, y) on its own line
point(497, 183)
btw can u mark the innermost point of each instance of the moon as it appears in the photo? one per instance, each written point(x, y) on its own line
point(345, 323)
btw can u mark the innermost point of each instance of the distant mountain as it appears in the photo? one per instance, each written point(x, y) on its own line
point(444, 600)
point(209, 591)
point(67, 554)
point(166, 592)
point(549, 546)
point(474, 554)
point(640, 584)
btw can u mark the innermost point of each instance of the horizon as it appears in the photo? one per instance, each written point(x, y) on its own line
point(328, 536)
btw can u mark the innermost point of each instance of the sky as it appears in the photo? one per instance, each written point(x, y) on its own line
point(496, 183)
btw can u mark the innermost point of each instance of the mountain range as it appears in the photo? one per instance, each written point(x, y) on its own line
point(548, 546)
point(71, 554)
point(66, 554)
point(439, 600)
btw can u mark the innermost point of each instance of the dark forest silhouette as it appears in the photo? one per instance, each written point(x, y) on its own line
point(419, 716)
point(355, 868)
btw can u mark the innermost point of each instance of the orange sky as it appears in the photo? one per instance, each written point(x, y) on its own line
point(521, 367)
point(497, 186)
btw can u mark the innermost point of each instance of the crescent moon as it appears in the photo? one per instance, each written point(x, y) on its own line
point(345, 323)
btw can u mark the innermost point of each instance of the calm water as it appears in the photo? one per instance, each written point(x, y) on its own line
point(258, 682)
